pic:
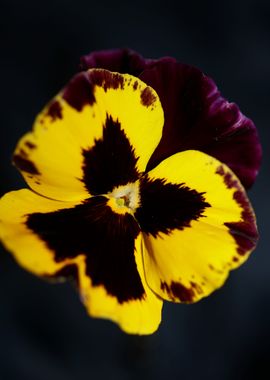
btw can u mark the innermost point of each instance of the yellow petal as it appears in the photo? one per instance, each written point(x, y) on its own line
point(97, 134)
point(141, 316)
point(29, 250)
point(89, 243)
point(198, 225)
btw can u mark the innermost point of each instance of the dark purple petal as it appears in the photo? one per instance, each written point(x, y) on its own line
point(124, 61)
point(198, 117)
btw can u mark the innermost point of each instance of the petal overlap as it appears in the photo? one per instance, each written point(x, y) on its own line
point(91, 137)
point(196, 115)
point(124, 201)
point(99, 249)
point(189, 254)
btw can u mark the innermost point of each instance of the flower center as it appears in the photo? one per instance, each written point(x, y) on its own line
point(125, 198)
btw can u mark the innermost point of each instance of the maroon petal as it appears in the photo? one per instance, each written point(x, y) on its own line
point(124, 61)
point(198, 117)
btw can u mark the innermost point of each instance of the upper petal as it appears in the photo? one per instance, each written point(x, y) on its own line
point(125, 61)
point(98, 133)
point(198, 117)
point(197, 223)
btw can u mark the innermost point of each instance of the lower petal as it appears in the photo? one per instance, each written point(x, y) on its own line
point(137, 316)
point(99, 250)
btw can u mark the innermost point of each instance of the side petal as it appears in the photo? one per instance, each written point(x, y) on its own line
point(197, 223)
point(198, 117)
point(88, 243)
point(97, 134)
point(29, 250)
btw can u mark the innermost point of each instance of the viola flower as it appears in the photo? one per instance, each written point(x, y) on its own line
point(128, 235)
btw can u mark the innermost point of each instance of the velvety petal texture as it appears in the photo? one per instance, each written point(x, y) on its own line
point(196, 115)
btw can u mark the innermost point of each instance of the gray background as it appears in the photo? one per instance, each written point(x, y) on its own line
point(44, 330)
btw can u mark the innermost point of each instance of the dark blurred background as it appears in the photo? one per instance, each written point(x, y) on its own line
point(44, 330)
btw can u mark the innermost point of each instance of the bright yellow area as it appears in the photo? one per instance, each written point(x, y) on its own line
point(204, 253)
point(59, 142)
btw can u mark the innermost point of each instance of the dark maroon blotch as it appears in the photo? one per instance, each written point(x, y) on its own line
point(147, 97)
point(106, 79)
point(79, 92)
point(245, 236)
point(245, 231)
point(166, 206)
point(55, 110)
point(30, 145)
point(106, 239)
point(178, 291)
point(111, 162)
point(25, 164)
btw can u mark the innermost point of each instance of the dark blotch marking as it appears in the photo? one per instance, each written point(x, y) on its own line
point(196, 287)
point(245, 231)
point(106, 239)
point(212, 268)
point(135, 85)
point(79, 92)
point(22, 153)
point(147, 97)
point(24, 164)
point(55, 110)
point(106, 79)
point(177, 291)
point(166, 206)
point(111, 161)
point(245, 236)
point(30, 145)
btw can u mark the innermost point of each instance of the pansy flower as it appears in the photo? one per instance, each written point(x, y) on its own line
point(128, 229)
